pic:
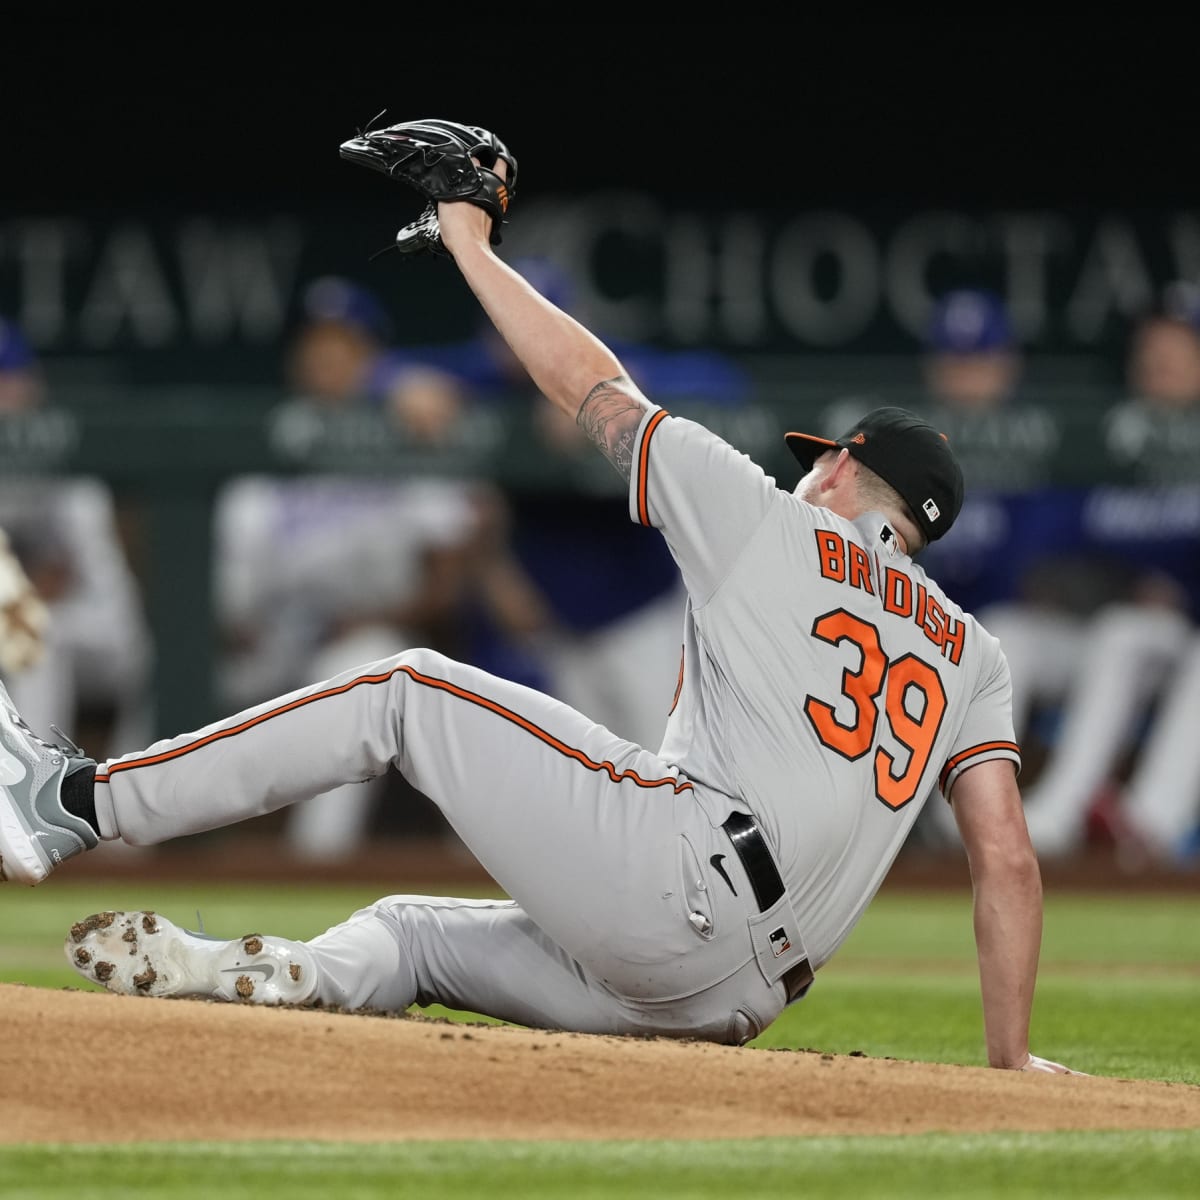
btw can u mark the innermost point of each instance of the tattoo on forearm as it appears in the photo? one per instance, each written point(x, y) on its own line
point(610, 415)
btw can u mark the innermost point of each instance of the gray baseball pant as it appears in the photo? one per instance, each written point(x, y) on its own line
point(617, 922)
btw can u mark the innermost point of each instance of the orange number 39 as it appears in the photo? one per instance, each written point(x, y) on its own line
point(907, 683)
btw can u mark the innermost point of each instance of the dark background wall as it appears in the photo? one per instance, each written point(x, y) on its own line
point(909, 112)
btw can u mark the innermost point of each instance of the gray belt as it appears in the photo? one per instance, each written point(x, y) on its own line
point(768, 887)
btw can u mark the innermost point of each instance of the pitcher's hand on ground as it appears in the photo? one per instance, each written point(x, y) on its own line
point(1033, 1063)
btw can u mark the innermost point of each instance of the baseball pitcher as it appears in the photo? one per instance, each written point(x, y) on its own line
point(827, 687)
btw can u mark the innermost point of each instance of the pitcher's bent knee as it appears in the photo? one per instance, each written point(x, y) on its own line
point(425, 662)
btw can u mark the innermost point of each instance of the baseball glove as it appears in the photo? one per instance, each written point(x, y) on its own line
point(435, 157)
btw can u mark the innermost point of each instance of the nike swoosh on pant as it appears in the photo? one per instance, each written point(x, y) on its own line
point(718, 861)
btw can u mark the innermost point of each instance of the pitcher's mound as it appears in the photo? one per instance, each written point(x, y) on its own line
point(91, 1067)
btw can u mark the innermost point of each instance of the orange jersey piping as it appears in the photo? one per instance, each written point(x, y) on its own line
point(643, 504)
point(426, 681)
point(974, 750)
point(678, 683)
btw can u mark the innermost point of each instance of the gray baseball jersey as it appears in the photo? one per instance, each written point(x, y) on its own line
point(826, 684)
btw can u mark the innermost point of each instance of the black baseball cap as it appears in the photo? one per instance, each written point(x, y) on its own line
point(907, 453)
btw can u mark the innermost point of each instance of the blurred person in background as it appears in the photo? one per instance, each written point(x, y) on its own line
point(972, 387)
point(342, 358)
point(1092, 592)
point(1164, 361)
point(1130, 711)
point(96, 658)
point(1015, 522)
point(575, 599)
point(320, 572)
point(1091, 615)
point(972, 360)
point(974, 372)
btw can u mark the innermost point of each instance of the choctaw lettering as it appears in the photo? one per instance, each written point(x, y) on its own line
point(844, 561)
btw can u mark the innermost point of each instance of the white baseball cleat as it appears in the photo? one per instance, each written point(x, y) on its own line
point(143, 954)
point(36, 832)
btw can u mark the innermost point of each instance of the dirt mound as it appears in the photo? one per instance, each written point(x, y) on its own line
point(90, 1067)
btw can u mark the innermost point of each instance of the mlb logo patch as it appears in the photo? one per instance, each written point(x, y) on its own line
point(931, 510)
point(780, 942)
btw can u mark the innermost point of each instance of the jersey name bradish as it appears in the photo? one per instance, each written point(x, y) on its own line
point(844, 561)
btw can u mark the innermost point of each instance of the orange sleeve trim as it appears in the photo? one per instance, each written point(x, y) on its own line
point(643, 503)
point(679, 681)
point(982, 748)
point(507, 714)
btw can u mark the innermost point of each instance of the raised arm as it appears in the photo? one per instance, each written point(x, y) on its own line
point(1008, 909)
point(571, 367)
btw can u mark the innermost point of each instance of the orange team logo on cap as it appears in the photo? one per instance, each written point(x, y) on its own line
point(859, 439)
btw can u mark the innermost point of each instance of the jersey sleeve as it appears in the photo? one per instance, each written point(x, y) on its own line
point(705, 497)
point(987, 731)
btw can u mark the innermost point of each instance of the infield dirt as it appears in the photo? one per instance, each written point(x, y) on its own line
point(83, 1066)
point(92, 1067)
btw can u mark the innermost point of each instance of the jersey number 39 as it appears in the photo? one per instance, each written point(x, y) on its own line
point(895, 690)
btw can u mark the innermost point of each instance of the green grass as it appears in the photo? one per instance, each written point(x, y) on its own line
point(1118, 988)
point(1118, 995)
point(1117, 992)
point(1093, 1165)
